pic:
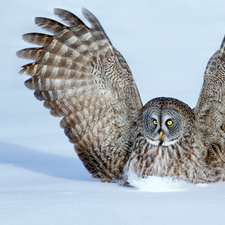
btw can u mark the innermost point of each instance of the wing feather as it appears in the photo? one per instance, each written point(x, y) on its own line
point(83, 78)
point(210, 110)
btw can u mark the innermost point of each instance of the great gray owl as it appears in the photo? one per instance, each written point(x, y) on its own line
point(83, 78)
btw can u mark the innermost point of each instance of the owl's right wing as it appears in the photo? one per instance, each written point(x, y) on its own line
point(210, 110)
point(82, 77)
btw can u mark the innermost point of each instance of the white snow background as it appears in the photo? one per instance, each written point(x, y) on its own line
point(167, 44)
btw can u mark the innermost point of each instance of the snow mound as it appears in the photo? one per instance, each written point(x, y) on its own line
point(158, 184)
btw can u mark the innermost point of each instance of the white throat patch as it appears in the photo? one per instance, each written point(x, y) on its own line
point(165, 143)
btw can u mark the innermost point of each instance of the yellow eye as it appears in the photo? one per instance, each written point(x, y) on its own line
point(169, 122)
point(155, 122)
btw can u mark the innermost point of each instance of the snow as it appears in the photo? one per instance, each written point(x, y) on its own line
point(158, 184)
point(167, 45)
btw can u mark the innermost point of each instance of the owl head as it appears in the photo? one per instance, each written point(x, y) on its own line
point(165, 120)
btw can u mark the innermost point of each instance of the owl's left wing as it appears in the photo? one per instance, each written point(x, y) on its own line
point(82, 77)
point(210, 109)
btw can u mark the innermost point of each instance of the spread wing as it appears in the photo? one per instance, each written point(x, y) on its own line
point(79, 75)
point(210, 110)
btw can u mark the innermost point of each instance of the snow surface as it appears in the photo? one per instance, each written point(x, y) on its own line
point(167, 44)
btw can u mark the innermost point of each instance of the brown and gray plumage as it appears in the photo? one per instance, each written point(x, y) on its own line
point(81, 77)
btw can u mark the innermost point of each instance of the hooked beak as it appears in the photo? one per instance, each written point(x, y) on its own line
point(160, 134)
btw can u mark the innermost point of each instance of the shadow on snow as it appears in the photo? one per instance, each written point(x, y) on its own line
point(45, 163)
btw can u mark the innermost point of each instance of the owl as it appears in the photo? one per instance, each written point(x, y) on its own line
point(83, 78)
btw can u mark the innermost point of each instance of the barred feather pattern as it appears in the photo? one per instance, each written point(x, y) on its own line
point(80, 76)
point(210, 114)
point(83, 78)
point(182, 160)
